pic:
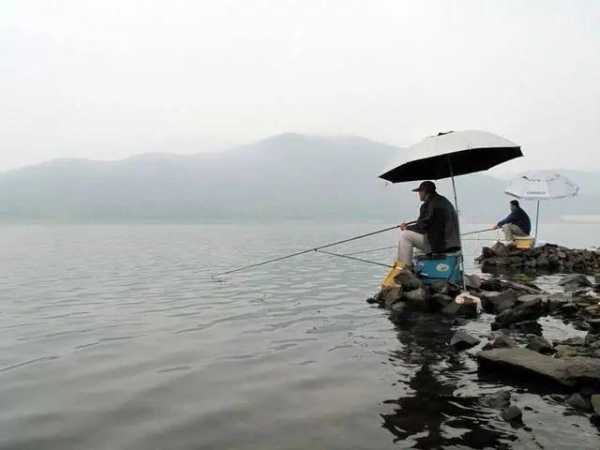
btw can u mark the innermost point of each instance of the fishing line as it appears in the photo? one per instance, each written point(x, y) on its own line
point(339, 255)
point(315, 249)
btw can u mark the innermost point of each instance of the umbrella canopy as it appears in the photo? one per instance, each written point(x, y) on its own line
point(542, 185)
point(452, 154)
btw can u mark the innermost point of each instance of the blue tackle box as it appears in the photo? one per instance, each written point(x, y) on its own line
point(442, 266)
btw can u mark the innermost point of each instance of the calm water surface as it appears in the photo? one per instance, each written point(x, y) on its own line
point(116, 337)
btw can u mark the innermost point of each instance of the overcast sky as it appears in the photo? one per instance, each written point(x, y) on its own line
point(106, 79)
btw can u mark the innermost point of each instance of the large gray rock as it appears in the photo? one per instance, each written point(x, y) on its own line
point(496, 302)
point(390, 295)
point(575, 281)
point(568, 372)
point(524, 312)
point(463, 340)
point(578, 402)
point(595, 400)
point(408, 280)
point(500, 341)
point(539, 344)
point(512, 414)
point(497, 400)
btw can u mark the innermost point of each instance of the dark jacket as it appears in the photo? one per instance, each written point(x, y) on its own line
point(518, 217)
point(439, 222)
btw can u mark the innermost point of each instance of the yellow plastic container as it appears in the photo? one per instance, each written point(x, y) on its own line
point(524, 242)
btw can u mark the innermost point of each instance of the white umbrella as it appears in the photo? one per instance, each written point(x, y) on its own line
point(541, 185)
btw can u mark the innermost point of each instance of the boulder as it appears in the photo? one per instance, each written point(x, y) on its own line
point(440, 301)
point(500, 341)
point(578, 402)
point(524, 312)
point(496, 302)
point(390, 295)
point(566, 351)
point(595, 401)
point(416, 298)
point(567, 372)
point(539, 344)
point(499, 249)
point(464, 310)
point(575, 281)
point(472, 281)
point(408, 280)
point(594, 325)
point(497, 400)
point(512, 414)
point(463, 340)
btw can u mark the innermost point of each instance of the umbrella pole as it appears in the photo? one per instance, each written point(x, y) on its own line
point(537, 218)
point(462, 260)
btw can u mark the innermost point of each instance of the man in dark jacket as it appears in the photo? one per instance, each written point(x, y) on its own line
point(517, 223)
point(436, 229)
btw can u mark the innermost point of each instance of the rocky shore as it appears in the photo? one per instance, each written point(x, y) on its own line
point(546, 258)
point(516, 344)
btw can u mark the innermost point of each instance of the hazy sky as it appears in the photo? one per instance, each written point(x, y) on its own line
point(106, 79)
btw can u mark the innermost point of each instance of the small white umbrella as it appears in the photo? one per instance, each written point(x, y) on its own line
point(541, 185)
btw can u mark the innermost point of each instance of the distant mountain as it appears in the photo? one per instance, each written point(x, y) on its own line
point(289, 176)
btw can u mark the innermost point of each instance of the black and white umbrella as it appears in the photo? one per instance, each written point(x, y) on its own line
point(447, 155)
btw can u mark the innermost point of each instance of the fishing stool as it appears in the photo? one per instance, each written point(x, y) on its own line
point(433, 267)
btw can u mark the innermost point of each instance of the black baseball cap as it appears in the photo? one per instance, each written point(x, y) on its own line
point(426, 186)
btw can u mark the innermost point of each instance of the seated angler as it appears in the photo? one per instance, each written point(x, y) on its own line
point(436, 229)
point(516, 224)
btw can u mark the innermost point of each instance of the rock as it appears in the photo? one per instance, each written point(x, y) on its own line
point(594, 325)
point(533, 297)
point(398, 311)
point(463, 340)
point(408, 280)
point(578, 402)
point(574, 281)
point(497, 400)
point(497, 302)
point(574, 341)
point(539, 344)
point(501, 341)
point(499, 249)
point(557, 397)
point(493, 284)
point(416, 296)
point(439, 287)
point(512, 414)
point(565, 351)
point(595, 401)
point(568, 309)
point(526, 311)
point(472, 281)
point(390, 295)
point(466, 309)
point(439, 301)
point(372, 300)
point(567, 372)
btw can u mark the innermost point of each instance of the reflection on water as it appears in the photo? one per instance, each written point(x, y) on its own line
point(432, 415)
point(117, 337)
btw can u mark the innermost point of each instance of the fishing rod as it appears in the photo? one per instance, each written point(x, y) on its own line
point(395, 246)
point(347, 256)
point(314, 249)
point(478, 231)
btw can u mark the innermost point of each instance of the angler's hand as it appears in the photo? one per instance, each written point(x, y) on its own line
point(403, 226)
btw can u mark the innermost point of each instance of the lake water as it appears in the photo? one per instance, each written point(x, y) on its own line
point(117, 337)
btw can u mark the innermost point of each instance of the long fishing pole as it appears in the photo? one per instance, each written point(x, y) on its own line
point(358, 252)
point(477, 231)
point(314, 249)
point(339, 255)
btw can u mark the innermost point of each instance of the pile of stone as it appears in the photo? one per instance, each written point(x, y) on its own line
point(546, 258)
point(412, 295)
